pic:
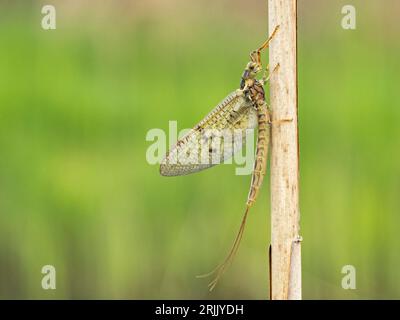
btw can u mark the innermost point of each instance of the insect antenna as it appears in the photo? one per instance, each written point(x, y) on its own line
point(221, 268)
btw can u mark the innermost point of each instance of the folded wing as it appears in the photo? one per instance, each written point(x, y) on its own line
point(215, 139)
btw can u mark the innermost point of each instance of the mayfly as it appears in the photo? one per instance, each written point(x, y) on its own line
point(241, 110)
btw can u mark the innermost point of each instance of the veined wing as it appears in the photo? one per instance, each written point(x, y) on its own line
point(215, 139)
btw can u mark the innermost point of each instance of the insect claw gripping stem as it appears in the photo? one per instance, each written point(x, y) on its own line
point(270, 270)
point(266, 78)
point(278, 65)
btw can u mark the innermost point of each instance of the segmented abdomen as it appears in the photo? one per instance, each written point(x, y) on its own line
point(260, 162)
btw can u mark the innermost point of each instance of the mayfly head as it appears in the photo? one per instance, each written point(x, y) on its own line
point(249, 73)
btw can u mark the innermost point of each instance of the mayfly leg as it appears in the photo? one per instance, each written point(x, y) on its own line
point(267, 75)
point(256, 55)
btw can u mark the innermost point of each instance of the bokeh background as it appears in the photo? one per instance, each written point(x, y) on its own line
point(77, 192)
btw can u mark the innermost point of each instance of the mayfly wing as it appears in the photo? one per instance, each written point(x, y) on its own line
point(215, 139)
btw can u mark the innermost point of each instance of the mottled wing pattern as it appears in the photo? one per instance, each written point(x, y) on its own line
point(215, 139)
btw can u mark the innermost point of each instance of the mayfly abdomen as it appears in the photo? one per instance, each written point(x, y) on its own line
point(260, 162)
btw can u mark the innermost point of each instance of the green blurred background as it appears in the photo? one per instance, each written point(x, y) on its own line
point(77, 192)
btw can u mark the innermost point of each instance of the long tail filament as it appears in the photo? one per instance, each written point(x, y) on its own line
point(220, 269)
